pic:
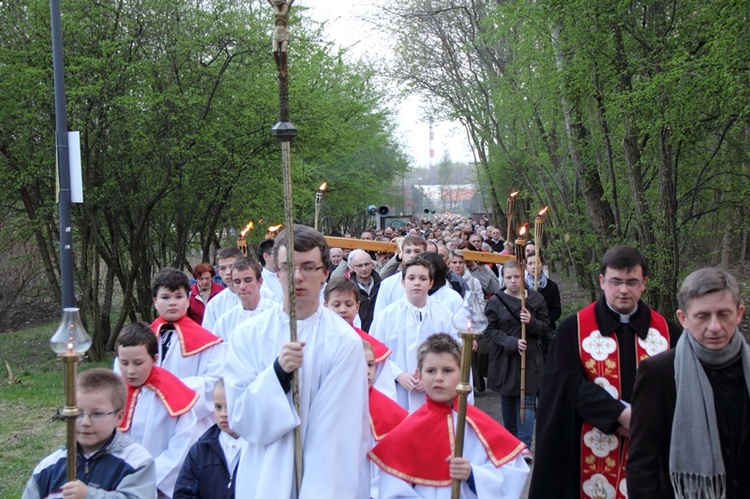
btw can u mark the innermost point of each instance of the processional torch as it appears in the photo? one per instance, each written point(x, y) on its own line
point(285, 131)
point(70, 342)
point(471, 322)
point(521, 257)
point(538, 235)
point(509, 212)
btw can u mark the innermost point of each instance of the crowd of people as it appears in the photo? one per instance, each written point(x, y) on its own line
point(213, 398)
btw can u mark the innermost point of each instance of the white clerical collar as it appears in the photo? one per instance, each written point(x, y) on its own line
point(624, 318)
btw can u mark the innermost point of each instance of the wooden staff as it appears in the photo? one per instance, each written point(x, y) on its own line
point(509, 212)
point(538, 234)
point(471, 321)
point(285, 131)
point(521, 257)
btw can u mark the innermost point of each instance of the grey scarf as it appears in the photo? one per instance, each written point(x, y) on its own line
point(530, 280)
point(696, 467)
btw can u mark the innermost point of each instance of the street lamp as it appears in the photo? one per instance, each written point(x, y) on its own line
point(70, 342)
point(319, 201)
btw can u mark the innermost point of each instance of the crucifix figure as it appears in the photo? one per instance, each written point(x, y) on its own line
point(281, 33)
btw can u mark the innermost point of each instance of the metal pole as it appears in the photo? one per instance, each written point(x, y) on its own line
point(285, 131)
point(463, 389)
point(63, 165)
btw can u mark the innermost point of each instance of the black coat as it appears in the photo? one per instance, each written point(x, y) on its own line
point(205, 473)
point(551, 294)
point(504, 331)
point(567, 398)
point(654, 398)
point(367, 302)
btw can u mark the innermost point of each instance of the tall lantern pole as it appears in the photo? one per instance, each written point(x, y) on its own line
point(471, 322)
point(520, 248)
point(285, 131)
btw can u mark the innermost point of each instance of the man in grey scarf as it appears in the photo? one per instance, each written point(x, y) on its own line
point(690, 428)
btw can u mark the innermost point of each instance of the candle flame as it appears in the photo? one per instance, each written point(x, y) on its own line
point(543, 211)
point(274, 228)
point(522, 230)
point(514, 194)
point(250, 225)
point(323, 187)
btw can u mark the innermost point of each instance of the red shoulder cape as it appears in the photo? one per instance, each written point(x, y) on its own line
point(416, 450)
point(385, 414)
point(176, 396)
point(381, 351)
point(193, 338)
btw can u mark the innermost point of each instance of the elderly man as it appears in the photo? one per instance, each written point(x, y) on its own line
point(690, 432)
point(362, 273)
point(587, 386)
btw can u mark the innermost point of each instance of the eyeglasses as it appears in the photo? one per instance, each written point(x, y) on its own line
point(362, 265)
point(631, 283)
point(95, 417)
point(307, 269)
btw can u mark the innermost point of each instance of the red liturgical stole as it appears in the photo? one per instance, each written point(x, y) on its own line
point(603, 456)
point(176, 396)
point(415, 450)
point(193, 337)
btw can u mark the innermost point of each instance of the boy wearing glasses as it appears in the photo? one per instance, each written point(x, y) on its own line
point(584, 411)
point(107, 461)
point(330, 365)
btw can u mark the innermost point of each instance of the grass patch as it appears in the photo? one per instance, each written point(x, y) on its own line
point(28, 403)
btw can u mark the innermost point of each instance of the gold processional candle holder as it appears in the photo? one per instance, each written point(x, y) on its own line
point(471, 322)
point(70, 342)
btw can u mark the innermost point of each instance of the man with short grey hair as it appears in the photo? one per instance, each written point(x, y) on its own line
point(690, 428)
point(362, 273)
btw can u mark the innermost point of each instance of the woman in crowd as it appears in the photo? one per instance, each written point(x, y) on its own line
point(202, 291)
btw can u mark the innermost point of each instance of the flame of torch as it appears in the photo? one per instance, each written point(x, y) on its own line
point(323, 187)
point(274, 228)
point(250, 225)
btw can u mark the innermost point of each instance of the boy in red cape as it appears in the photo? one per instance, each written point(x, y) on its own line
point(416, 456)
point(385, 415)
point(159, 408)
point(342, 296)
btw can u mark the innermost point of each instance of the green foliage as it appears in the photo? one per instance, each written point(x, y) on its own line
point(628, 119)
point(175, 101)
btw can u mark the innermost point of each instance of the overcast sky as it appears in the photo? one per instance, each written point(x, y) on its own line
point(347, 29)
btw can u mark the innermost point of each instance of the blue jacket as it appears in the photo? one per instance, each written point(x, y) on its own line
point(205, 473)
point(121, 468)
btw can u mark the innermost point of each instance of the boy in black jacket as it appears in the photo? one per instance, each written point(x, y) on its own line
point(210, 468)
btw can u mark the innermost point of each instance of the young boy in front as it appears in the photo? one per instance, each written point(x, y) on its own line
point(385, 415)
point(342, 296)
point(159, 411)
point(405, 324)
point(108, 463)
point(416, 456)
point(210, 470)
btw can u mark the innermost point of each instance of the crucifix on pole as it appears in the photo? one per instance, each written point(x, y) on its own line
point(285, 131)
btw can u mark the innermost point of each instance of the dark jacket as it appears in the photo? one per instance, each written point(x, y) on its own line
point(504, 331)
point(551, 294)
point(367, 302)
point(205, 473)
point(654, 398)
